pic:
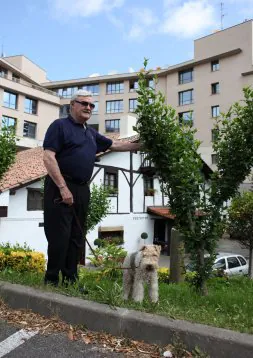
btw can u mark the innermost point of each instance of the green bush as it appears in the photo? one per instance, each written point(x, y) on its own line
point(163, 274)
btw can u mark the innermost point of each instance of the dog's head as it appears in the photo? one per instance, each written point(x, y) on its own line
point(150, 257)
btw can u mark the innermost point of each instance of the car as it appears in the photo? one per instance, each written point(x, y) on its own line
point(232, 264)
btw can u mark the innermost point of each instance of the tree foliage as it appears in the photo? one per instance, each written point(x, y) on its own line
point(98, 208)
point(240, 223)
point(171, 145)
point(7, 149)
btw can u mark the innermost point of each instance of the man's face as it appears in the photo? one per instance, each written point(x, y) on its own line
point(81, 108)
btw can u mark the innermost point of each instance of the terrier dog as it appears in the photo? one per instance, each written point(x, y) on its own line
point(140, 267)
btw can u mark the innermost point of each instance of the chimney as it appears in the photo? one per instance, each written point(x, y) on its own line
point(126, 126)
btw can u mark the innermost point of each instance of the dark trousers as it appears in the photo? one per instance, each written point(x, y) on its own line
point(65, 240)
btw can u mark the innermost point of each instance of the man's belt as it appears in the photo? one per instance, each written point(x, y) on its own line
point(75, 181)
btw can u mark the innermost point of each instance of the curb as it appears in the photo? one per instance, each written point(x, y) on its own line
point(217, 342)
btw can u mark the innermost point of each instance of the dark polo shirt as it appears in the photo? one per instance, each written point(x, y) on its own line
point(75, 147)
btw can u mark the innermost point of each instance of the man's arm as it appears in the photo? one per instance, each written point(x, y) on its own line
point(119, 146)
point(53, 170)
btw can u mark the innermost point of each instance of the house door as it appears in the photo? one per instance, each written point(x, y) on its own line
point(161, 237)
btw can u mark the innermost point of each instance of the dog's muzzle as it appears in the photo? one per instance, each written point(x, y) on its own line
point(150, 268)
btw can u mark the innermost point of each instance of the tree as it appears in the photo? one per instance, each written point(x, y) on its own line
point(240, 223)
point(171, 145)
point(7, 149)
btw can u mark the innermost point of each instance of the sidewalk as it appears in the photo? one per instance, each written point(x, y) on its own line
point(218, 343)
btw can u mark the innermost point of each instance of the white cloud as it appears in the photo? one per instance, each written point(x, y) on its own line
point(85, 8)
point(190, 19)
point(131, 70)
point(143, 21)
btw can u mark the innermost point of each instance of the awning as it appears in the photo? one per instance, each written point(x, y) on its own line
point(110, 228)
point(162, 211)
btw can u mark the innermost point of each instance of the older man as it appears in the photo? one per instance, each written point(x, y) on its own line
point(70, 148)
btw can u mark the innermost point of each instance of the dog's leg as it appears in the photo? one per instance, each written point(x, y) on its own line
point(138, 288)
point(153, 287)
point(127, 284)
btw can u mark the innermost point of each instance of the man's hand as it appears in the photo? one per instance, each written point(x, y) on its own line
point(67, 197)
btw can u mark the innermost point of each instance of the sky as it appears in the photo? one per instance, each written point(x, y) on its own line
point(77, 38)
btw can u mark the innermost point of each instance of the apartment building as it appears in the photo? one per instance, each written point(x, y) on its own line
point(24, 103)
point(198, 89)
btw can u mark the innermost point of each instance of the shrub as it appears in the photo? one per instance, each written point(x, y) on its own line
point(163, 274)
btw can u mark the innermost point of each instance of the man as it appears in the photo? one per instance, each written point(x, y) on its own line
point(70, 148)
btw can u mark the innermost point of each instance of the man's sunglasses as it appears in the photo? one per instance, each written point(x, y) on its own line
point(86, 104)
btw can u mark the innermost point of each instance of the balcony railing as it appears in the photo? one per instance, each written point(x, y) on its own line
point(147, 166)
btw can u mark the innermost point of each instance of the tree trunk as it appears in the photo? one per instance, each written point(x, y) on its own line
point(176, 257)
point(250, 273)
point(201, 263)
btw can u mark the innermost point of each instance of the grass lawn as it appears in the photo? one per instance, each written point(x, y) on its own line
point(228, 305)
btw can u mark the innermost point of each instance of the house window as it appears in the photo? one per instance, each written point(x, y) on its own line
point(215, 111)
point(185, 76)
point(133, 105)
point(34, 199)
point(15, 78)
point(111, 181)
point(9, 122)
point(185, 117)
point(64, 110)
point(112, 125)
point(148, 186)
point(185, 97)
point(29, 129)
point(115, 87)
point(215, 88)
point(3, 72)
point(31, 105)
point(133, 85)
point(215, 133)
point(10, 100)
point(114, 106)
point(214, 158)
point(151, 83)
point(215, 65)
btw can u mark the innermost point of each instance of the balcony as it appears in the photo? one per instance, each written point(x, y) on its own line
point(147, 167)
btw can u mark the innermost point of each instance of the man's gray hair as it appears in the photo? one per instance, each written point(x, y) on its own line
point(82, 93)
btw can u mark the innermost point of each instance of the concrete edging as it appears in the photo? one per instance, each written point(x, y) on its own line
point(217, 342)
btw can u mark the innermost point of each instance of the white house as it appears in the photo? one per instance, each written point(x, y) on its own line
point(137, 203)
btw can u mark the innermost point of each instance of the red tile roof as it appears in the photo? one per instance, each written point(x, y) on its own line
point(27, 167)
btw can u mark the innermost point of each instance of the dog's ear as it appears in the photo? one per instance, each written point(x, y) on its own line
point(143, 248)
point(158, 248)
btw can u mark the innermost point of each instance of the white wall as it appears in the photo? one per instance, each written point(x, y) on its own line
point(4, 198)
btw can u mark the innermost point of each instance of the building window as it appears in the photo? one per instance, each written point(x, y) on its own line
point(34, 199)
point(215, 111)
point(111, 181)
point(10, 100)
point(133, 105)
point(215, 133)
point(29, 129)
point(185, 117)
point(185, 76)
point(148, 186)
point(185, 97)
point(214, 158)
point(64, 111)
point(95, 126)
point(15, 78)
point(112, 125)
point(115, 87)
point(31, 105)
point(114, 106)
point(151, 83)
point(95, 110)
point(93, 88)
point(215, 65)
point(133, 85)
point(3, 72)
point(9, 122)
point(215, 88)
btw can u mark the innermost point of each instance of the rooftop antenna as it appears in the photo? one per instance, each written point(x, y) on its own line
point(2, 47)
point(221, 14)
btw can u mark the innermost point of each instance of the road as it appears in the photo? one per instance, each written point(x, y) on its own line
point(15, 343)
